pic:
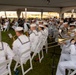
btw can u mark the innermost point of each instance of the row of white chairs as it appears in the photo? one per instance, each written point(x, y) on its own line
point(19, 63)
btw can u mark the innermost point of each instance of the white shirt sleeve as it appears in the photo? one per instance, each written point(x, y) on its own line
point(9, 52)
point(32, 38)
point(73, 50)
point(15, 48)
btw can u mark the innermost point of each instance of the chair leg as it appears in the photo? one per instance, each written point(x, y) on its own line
point(33, 56)
point(39, 57)
point(42, 54)
point(16, 66)
point(22, 68)
point(9, 72)
point(31, 63)
point(73, 73)
point(46, 47)
point(69, 72)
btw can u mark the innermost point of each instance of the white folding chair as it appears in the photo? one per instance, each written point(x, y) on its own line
point(72, 72)
point(45, 44)
point(20, 62)
point(39, 49)
point(6, 63)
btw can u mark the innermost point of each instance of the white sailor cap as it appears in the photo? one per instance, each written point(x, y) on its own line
point(37, 22)
point(33, 20)
point(74, 30)
point(41, 21)
point(18, 29)
point(72, 24)
point(41, 26)
point(33, 25)
point(65, 23)
point(61, 20)
point(75, 23)
point(45, 23)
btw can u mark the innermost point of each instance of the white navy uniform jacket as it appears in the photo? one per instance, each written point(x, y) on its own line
point(46, 31)
point(5, 50)
point(66, 47)
point(6, 24)
point(15, 25)
point(20, 45)
point(69, 64)
point(44, 37)
point(25, 27)
point(73, 53)
point(34, 40)
point(41, 35)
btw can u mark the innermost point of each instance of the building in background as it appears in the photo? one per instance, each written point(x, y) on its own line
point(13, 14)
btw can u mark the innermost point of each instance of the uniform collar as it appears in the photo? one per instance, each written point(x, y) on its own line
point(35, 32)
point(19, 38)
point(1, 46)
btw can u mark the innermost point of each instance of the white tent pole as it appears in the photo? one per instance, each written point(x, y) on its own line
point(5, 15)
point(0, 33)
point(26, 13)
point(41, 14)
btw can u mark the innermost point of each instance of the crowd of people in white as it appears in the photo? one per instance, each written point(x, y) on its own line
point(38, 31)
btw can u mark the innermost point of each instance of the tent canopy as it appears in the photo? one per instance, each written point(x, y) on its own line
point(38, 5)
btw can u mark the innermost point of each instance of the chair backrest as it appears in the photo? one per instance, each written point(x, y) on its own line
point(26, 52)
point(44, 40)
point(7, 64)
point(39, 46)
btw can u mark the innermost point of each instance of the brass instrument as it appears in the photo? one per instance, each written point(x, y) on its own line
point(14, 38)
point(60, 40)
point(26, 33)
point(63, 39)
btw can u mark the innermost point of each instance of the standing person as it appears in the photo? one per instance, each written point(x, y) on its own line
point(6, 24)
point(25, 27)
point(15, 24)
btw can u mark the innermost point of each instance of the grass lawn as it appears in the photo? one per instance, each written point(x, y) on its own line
point(43, 68)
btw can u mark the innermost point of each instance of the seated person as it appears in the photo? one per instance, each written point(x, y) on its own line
point(20, 45)
point(5, 54)
point(33, 37)
point(69, 64)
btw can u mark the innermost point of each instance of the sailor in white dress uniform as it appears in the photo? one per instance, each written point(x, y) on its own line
point(5, 54)
point(33, 37)
point(46, 28)
point(20, 45)
point(70, 64)
point(65, 47)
